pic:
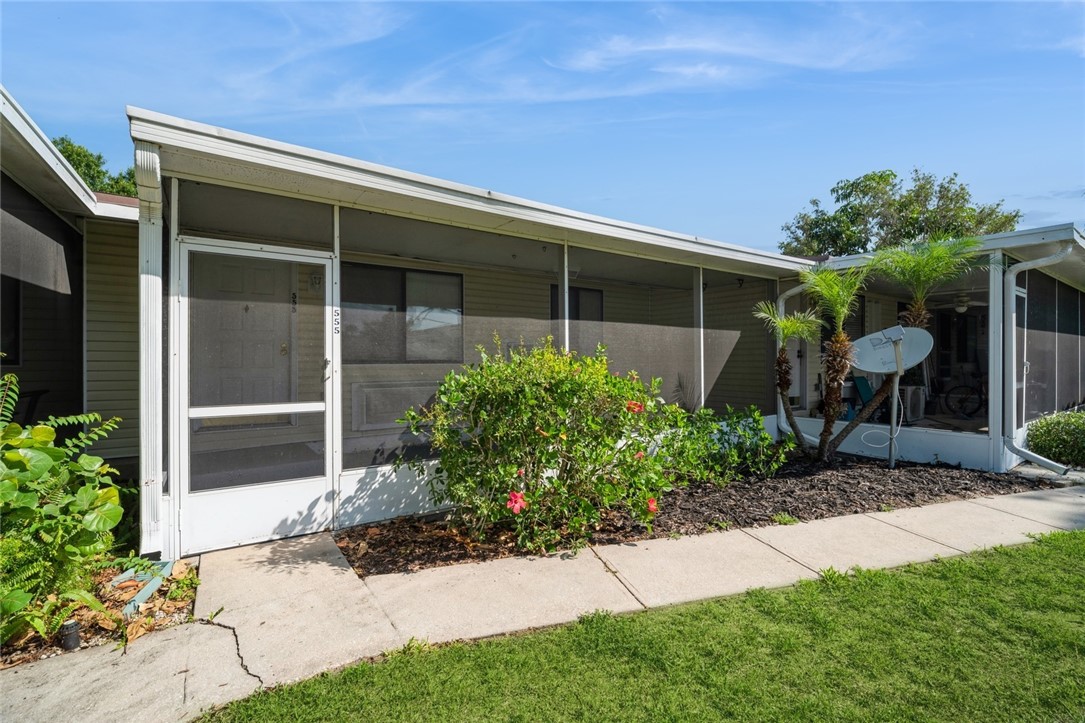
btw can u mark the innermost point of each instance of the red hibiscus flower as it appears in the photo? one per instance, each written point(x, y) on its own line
point(520, 472)
point(516, 502)
point(634, 407)
point(638, 455)
point(652, 507)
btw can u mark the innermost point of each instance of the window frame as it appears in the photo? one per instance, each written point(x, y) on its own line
point(402, 304)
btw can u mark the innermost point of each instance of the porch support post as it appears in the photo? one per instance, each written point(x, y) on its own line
point(563, 296)
point(698, 333)
point(149, 186)
point(995, 370)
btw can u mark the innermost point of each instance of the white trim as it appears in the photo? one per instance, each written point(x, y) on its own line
point(335, 403)
point(995, 369)
point(698, 323)
point(563, 297)
point(150, 346)
point(244, 410)
point(171, 502)
point(188, 501)
point(244, 248)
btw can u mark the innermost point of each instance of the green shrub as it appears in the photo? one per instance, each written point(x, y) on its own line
point(1059, 437)
point(709, 448)
point(58, 506)
point(543, 440)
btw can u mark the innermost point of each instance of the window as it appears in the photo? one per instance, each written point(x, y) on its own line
point(395, 315)
point(584, 304)
point(586, 313)
point(10, 321)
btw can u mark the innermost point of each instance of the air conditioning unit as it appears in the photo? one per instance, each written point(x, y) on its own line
point(914, 400)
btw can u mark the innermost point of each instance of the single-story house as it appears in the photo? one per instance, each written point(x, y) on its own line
point(264, 313)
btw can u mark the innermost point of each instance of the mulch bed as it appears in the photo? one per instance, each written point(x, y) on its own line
point(803, 490)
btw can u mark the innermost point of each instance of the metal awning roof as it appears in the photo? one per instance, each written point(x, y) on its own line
point(206, 153)
point(1024, 245)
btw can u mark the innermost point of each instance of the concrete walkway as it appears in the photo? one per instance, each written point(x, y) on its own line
point(282, 611)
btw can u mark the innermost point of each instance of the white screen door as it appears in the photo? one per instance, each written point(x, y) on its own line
point(255, 378)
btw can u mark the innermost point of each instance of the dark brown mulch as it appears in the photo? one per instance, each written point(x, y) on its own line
point(802, 490)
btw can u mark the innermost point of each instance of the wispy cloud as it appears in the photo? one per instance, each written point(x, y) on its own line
point(839, 39)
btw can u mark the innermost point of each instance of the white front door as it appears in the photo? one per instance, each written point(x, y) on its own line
point(255, 380)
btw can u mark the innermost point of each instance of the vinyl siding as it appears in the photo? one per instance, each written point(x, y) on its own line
point(112, 312)
point(746, 377)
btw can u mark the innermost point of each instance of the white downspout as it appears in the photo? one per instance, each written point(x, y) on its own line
point(781, 418)
point(149, 186)
point(1009, 356)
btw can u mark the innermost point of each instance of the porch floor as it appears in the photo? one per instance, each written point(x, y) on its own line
point(282, 611)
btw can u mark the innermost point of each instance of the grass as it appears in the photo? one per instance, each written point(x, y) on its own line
point(998, 635)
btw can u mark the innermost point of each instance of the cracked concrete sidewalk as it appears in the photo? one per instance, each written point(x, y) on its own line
point(287, 610)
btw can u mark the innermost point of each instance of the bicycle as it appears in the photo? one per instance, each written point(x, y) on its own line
point(965, 400)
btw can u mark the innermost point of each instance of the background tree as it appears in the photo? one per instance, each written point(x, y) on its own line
point(91, 168)
point(836, 294)
point(876, 211)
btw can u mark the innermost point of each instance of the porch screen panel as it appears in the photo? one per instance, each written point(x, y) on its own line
point(222, 212)
point(1068, 343)
point(738, 348)
point(256, 331)
point(403, 330)
point(1021, 305)
point(1040, 343)
point(239, 451)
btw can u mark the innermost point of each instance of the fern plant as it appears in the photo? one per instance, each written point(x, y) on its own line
point(58, 506)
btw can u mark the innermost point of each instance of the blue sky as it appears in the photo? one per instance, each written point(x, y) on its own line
point(720, 119)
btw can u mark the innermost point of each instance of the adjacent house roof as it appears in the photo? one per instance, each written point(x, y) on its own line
point(32, 161)
point(1023, 245)
point(207, 153)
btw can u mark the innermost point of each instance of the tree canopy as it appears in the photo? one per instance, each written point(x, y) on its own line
point(877, 211)
point(91, 168)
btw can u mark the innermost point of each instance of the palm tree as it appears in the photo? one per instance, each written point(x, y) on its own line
point(921, 266)
point(836, 294)
point(802, 325)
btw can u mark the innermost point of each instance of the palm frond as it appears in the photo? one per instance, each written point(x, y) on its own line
point(923, 265)
point(836, 293)
point(803, 325)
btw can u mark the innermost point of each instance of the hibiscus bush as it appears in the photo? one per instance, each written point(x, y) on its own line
point(543, 440)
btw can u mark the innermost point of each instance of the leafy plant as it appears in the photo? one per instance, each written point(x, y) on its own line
point(799, 325)
point(782, 518)
point(184, 587)
point(837, 296)
point(543, 440)
point(1059, 437)
point(58, 505)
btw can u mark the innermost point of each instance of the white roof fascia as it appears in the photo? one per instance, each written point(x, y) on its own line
point(992, 242)
point(1032, 237)
point(116, 212)
point(47, 152)
point(172, 132)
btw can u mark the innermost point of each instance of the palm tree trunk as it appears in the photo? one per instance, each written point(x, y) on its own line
point(783, 387)
point(837, 362)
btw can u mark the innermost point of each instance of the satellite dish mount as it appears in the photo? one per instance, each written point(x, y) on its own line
point(892, 351)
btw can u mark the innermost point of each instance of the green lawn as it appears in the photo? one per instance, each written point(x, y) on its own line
point(998, 635)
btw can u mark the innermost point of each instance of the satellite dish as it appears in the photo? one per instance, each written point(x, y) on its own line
point(874, 353)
